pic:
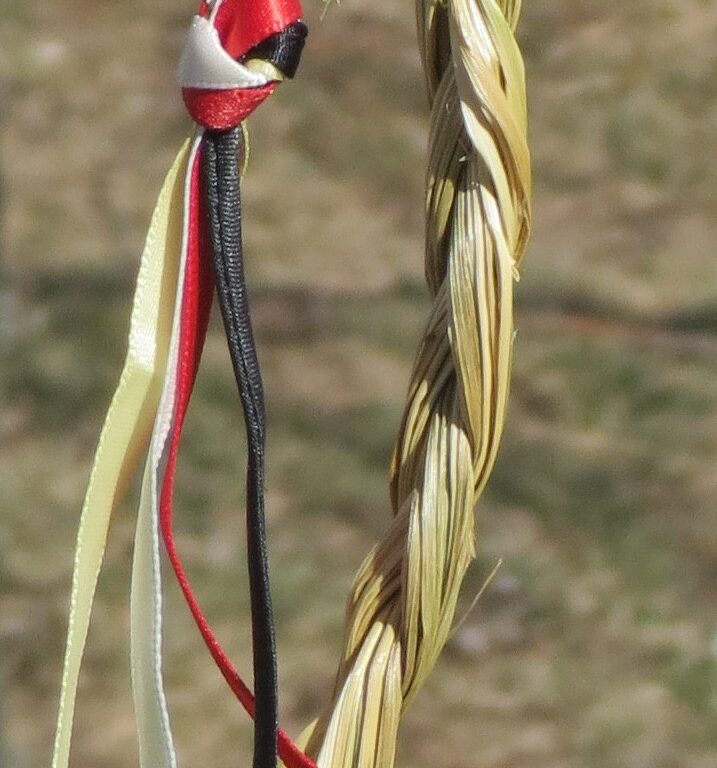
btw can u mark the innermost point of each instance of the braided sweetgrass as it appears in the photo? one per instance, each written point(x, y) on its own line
point(402, 603)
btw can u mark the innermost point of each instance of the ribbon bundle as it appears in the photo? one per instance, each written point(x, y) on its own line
point(236, 53)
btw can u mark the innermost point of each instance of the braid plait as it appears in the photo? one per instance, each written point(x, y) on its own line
point(401, 607)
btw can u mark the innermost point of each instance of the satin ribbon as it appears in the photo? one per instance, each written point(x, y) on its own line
point(156, 747)
point(195, 308)
point(167, 329)
point(126, 428)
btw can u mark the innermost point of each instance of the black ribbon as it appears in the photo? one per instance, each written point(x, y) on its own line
point(222, 184)
point(221, 170)
point(283, 49)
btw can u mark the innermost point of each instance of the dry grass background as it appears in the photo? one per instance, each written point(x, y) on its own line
point(596, 645)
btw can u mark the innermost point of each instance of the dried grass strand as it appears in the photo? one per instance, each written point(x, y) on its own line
point(402, 604)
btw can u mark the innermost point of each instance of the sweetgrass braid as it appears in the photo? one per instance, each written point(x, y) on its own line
point(401, 607)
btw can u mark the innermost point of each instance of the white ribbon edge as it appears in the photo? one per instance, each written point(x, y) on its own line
point(156, 744)
point(205, 63)
point(121, 440)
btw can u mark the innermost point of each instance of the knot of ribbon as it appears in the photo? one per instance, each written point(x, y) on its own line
point(235, 54)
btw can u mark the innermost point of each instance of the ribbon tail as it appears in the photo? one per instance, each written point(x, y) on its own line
point(156, 745)
point(124, 434)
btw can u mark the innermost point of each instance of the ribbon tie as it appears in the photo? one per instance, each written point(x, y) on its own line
point(236, 52)
point(219, 86)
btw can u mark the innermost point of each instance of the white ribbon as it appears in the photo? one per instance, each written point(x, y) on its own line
point(126, 428)
point(156, 746)
point(205, 63)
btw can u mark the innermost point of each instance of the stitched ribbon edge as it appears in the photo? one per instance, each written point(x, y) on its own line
point(156, 744)
point(124, 434)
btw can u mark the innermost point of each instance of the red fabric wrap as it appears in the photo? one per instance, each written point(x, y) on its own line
point(241, 24)
point(196, 306)
point(223, 109)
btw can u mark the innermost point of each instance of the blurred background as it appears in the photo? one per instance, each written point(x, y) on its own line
point(596, 643)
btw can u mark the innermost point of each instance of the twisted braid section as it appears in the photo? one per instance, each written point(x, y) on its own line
point(402, 603)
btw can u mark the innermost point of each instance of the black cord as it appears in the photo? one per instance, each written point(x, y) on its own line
point(221, 170)
point(222, 183)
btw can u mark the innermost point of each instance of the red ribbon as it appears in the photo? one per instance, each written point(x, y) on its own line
point(241, 24)
point(223, 109)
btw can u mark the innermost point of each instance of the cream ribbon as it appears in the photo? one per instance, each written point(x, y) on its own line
point(156, 746)
point(126, 428)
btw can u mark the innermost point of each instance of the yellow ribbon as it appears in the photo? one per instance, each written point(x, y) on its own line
point(126, 428)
